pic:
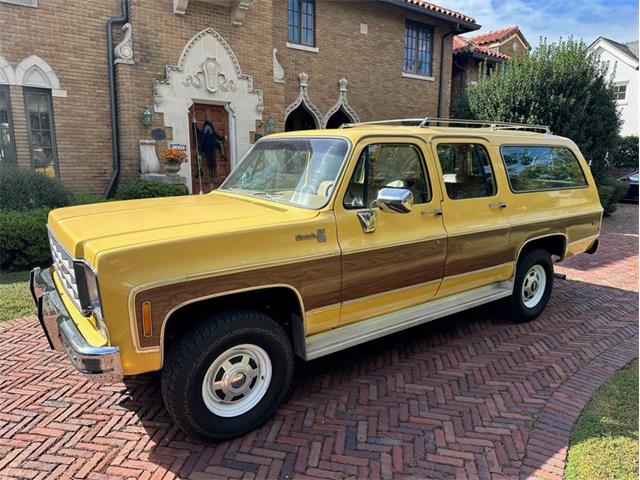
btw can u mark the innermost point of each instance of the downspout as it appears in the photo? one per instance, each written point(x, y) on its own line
point(441, 79)
point(113, 97)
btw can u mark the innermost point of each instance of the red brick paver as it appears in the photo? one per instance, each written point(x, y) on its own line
point(470, 396)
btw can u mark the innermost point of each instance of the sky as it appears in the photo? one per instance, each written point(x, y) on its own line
point(586, 19)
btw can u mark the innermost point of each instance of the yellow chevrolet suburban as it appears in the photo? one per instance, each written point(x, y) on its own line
point(317, 241)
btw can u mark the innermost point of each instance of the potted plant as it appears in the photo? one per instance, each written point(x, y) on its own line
point(173, 158)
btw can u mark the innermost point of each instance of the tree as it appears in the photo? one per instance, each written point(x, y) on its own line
point(561, 85)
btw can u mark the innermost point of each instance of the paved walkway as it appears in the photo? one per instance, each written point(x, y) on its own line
point(470, 396)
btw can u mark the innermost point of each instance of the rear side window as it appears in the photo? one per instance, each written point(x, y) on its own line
point(467, 170)
point(535, 168)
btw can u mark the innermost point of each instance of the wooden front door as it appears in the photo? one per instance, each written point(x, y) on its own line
point(202, 172)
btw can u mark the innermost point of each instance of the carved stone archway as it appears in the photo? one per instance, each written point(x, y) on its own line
point(33, 71)
point(342, 105)
point(208, 72)
point(304, 101)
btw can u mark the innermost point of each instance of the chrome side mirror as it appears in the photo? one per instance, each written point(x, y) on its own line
point(398, 200)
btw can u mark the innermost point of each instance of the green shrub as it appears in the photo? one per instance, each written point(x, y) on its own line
point(146, 189)
point(23, 239)
point(25, 189)
point(611, 192)
point(87, 198)
point(625, 152)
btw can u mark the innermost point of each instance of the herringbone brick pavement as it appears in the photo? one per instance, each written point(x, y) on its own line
point(470, 396)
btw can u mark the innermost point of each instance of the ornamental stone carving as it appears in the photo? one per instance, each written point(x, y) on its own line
point(303, 99)
point(124, 50)
point(342, 104)
point(278, 71)
point(210, 76)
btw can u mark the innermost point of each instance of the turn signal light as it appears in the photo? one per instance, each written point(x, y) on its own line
point(146, 319)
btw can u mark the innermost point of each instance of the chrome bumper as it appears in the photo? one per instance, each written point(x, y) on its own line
point(100, 364)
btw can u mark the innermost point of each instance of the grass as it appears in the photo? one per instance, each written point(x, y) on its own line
point(604, 441)
point(15, 297)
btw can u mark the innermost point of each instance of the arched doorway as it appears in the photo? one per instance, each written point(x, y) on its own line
point(337, 119)
point(300, 119)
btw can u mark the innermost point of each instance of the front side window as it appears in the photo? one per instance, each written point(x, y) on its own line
point(532, 168)
point(387, 165)
point(7, 142)
point(418, 48)
point(41, 131)
point(298, 171)
point(467, 170)
point(302, 22)
point(620, 91)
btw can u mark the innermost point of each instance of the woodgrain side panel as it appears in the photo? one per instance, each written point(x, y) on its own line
point(317, 281)
point(386, 269)
point(478, 250)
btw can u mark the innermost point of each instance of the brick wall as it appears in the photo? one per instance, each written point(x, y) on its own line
point(73, 41)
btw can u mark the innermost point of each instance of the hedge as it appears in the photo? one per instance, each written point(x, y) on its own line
point(24, 189)
point(23, 239)
point(611, 192)
point(145, 189)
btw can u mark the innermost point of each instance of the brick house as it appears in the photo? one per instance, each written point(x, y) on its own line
point(251, 67)
point(481, 55)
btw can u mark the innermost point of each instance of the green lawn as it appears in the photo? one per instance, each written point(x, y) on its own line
point(604, 441)
point(15, 298)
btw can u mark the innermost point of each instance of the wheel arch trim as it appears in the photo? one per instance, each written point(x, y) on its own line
point(541, 237)
point(160, 348)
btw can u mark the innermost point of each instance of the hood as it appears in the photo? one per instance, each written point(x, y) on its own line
point(87, 230)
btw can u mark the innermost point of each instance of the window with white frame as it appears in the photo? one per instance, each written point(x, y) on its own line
point(619, 91)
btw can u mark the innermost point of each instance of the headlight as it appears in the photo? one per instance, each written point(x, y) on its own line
point(89, 294)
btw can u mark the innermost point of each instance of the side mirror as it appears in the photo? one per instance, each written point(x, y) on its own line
point(398, 200)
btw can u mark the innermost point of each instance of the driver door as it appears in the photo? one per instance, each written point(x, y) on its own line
point(390, 260)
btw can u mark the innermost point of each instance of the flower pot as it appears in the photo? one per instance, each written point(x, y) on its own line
point(172, 166)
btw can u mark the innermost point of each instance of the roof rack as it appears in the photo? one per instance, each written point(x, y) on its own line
point(428, 121)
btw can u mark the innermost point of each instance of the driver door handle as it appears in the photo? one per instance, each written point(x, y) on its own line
point(436, 212)
point(497, 205)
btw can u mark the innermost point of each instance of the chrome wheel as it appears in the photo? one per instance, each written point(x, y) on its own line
point(533, 286)
point(237, 380)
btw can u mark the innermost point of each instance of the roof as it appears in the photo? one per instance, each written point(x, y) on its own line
point(463, 45)
point(466, 22)
point(498, 36)
point(438, 9)
point(630, 49)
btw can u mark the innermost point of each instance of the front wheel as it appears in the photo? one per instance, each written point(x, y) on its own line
point(228, 375)
point(532, 286)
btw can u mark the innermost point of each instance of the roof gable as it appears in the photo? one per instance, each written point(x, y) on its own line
point(620, 50)
point(497, 36)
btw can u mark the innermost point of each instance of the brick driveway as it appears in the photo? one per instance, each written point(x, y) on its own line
point(469, 396)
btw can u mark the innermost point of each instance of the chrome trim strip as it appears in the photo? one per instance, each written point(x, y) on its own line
point(360, 332)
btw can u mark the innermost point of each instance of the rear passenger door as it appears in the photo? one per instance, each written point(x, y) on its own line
point(475, 214)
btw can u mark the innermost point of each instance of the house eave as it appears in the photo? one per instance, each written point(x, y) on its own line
point(462, 24)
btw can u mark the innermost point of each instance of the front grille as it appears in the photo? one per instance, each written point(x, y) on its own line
point(63, 263)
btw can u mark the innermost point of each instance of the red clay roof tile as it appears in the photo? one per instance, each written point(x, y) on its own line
point(438, 9)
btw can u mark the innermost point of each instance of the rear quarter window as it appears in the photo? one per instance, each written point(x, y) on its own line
point(538, 167)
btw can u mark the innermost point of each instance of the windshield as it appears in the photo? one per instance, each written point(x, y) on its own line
point(298, 171)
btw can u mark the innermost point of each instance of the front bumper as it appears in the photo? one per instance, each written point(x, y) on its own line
point(100, 364)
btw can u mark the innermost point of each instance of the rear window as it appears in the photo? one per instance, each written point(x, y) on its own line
point(535, 168)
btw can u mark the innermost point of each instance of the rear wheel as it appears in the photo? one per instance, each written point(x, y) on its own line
point(228, 375)
point(532, 286)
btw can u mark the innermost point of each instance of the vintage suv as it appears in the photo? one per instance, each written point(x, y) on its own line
point(317, 241)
